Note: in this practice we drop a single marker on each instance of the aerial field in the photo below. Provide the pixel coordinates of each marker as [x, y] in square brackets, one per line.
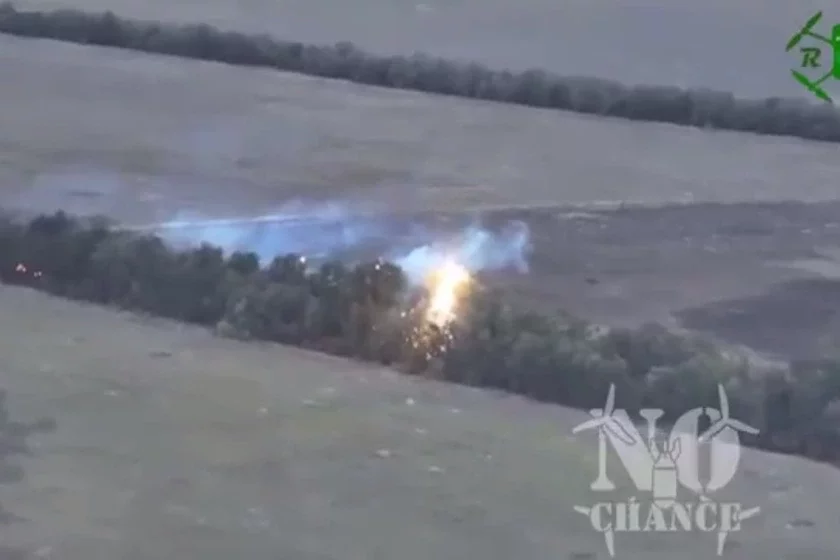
[143, 137]
[175, 443]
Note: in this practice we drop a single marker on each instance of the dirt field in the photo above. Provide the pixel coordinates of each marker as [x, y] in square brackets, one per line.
[175, 444]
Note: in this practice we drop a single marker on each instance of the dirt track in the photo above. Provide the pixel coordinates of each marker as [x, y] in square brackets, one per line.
[176, 444]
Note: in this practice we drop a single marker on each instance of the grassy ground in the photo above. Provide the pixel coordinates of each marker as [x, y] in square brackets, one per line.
[174, 443]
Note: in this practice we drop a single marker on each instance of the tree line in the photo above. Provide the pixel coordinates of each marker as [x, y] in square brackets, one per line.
[421, 72]
[368, 311]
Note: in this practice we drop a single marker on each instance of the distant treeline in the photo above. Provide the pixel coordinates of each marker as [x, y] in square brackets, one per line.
[420, 72]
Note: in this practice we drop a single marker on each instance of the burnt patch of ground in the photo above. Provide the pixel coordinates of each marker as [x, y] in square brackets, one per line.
[731, 270]
[799, 319]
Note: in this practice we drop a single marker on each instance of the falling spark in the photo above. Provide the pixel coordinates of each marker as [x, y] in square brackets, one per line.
[21, 268]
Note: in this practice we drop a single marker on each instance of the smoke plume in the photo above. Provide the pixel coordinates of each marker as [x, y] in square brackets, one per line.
[475, 248]
[317, 230]
[332, 230]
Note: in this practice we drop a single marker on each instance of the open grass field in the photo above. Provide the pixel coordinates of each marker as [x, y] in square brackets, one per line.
[174, 443]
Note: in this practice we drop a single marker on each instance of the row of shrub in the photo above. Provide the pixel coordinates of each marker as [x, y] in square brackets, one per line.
[368, 311]
[536, 88]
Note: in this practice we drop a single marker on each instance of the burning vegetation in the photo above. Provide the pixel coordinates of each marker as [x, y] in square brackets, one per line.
[447, 285]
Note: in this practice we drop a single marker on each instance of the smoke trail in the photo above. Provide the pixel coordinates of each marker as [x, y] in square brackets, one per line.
[317, 230]
[327, 230]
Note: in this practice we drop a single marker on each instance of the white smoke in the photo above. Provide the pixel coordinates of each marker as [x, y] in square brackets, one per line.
[475, 248]
[326, 230]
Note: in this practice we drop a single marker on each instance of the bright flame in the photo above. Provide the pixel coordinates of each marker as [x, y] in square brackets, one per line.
[445, 284]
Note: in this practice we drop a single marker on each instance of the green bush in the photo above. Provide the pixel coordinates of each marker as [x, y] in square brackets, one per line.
[537, 88]
[369, 312]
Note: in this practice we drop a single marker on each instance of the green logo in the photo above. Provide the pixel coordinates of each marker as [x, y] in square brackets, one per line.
[811, 56]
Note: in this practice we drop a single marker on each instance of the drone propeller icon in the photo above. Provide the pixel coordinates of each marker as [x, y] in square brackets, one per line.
[811, 55]
[604, 418]
[725, 421]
